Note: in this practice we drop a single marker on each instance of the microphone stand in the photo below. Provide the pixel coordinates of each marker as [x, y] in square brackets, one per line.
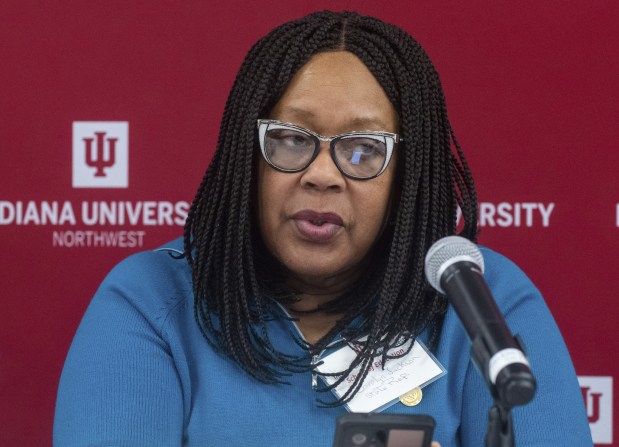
[500, 431]
[500, 427]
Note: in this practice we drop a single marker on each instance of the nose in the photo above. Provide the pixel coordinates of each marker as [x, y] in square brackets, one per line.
[322, 174]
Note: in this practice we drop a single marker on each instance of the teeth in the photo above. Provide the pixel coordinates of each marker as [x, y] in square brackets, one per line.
[317, 222]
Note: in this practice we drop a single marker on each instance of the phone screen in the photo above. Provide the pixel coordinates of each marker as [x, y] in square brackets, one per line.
[392, 438]
[405, 438]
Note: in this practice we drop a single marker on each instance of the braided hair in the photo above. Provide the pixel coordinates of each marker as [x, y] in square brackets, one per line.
[238, 285]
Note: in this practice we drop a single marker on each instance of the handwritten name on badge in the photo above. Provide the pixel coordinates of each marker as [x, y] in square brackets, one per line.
[383, 385]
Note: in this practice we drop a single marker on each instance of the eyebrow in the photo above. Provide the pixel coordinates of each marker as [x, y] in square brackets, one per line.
[366, 121]
[357, 121]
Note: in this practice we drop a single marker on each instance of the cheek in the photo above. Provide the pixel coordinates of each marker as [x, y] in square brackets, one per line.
[373, 205]
[378, 210]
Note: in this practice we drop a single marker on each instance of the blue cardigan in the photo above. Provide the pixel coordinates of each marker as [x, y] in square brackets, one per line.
[139, 373]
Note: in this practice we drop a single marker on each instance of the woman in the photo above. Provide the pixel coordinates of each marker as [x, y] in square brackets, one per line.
[334, 173]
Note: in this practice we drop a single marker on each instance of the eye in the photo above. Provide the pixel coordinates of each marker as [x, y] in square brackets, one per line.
[289, 138]
[368, 148]
[359, 150]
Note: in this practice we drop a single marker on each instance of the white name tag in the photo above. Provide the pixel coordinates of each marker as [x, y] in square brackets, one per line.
[383, 386]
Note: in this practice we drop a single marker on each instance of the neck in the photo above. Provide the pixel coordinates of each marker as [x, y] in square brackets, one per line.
[315, 291]
[312, 323]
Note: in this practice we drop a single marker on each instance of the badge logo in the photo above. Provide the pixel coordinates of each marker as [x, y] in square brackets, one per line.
[598, 395]
[412, 398]
[100, 154]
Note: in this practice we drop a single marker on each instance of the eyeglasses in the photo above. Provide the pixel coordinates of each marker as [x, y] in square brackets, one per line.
[358, 155]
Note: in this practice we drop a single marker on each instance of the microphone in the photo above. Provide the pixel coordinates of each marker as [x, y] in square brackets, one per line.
[454, 266]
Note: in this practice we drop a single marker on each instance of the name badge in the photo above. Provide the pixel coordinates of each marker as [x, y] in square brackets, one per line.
[384, 384]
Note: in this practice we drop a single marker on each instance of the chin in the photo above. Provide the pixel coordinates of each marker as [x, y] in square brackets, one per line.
[322, 273]
[313, 270]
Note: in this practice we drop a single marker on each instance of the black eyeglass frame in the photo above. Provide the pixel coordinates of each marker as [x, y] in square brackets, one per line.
[390, 140]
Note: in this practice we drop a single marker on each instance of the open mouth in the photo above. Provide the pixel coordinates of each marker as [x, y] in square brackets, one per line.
[318, 227]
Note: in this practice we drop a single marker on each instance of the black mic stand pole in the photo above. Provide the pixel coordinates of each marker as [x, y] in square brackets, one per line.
[500, 431]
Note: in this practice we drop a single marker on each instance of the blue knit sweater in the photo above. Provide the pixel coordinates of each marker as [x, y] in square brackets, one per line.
[139, 373]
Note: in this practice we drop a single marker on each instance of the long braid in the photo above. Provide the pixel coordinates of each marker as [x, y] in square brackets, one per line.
[391, 301]
[237, 284]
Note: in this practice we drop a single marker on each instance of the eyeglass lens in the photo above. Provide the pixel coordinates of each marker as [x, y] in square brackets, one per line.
[357, 156]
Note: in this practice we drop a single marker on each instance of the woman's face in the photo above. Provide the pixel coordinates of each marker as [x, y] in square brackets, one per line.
[317, 222]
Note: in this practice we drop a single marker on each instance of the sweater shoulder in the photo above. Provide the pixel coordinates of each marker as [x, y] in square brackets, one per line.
[509, 285]
[153, 283]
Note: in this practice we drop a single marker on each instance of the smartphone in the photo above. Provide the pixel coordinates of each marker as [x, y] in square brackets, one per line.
[383, 430]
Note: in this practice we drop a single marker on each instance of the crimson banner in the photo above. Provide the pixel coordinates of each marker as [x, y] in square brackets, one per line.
[109, 113]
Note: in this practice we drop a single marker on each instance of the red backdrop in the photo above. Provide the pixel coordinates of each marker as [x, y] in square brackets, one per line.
[531, 90]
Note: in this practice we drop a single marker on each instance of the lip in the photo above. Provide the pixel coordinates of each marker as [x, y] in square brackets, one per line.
[317, 227]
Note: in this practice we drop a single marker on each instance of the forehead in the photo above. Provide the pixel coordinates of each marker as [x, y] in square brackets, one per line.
[335, 92]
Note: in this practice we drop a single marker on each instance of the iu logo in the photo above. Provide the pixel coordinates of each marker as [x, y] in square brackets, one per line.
[598, 395]
[100, 154]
